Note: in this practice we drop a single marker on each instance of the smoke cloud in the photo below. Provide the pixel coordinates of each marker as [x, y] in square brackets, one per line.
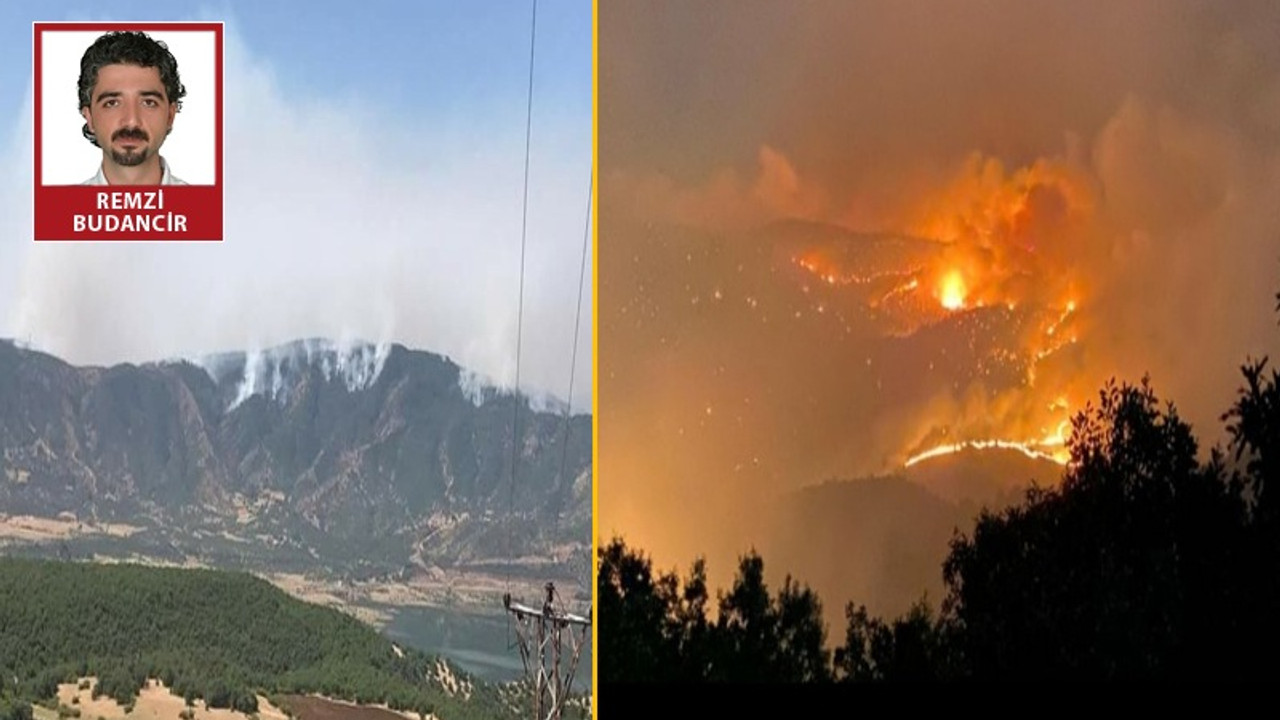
[341, 221]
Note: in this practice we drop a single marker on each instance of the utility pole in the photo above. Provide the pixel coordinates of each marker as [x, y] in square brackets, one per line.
[542, 633]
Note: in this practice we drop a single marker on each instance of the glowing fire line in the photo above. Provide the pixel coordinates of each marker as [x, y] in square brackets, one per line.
[1027, 449]
[833, 277]
[899, 290]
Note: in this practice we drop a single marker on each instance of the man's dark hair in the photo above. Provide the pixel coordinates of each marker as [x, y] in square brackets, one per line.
[128, 48]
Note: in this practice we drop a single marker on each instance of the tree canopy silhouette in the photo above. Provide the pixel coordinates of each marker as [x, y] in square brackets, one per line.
[1124, 570]
[654, 628]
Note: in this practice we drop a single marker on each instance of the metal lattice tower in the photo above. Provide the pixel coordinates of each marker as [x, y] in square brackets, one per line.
[542, 634]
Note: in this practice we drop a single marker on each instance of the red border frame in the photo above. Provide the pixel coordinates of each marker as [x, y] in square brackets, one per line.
[204, 198]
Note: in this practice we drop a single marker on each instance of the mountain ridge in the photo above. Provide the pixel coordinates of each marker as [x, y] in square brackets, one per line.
[351, 453]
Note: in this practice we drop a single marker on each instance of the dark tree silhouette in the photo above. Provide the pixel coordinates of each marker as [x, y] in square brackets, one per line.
[746, 626]
[1122, 571]
[801, 635]
[763, 640]
[654, 630]
[634, 614]
[1253, 424]
[689, 630]
[912, 648]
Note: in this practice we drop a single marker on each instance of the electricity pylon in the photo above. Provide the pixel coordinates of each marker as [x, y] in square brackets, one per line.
[541, 633]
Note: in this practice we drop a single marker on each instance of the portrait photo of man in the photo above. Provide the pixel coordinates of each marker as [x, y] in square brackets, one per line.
[139, 156]
[147, 98]
[130, 95]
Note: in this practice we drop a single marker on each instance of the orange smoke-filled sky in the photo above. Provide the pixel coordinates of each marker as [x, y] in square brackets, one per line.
[1106, 172]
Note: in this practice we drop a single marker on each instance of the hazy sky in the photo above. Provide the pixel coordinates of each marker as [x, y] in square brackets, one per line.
[374, 161]
[1111, 166]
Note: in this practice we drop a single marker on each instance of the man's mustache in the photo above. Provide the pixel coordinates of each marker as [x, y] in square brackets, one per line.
[130, 134]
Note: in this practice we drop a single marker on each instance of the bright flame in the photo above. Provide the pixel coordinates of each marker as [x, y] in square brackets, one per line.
[1029, 449]
[1005, 239]
[953, 291]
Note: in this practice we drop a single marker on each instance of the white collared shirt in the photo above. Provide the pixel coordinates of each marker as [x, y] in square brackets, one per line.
[166, 178]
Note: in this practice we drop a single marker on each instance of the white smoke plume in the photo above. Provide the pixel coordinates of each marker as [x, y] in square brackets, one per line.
[342, 221]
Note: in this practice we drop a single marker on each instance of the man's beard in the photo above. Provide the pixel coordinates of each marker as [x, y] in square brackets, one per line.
[130, 158]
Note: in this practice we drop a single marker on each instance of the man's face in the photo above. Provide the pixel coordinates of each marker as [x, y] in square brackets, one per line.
[129, 113]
